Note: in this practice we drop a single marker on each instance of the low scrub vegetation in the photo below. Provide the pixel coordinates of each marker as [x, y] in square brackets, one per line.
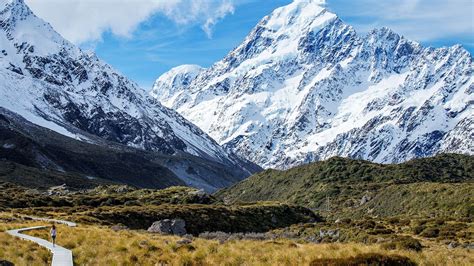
[140, 208]
[441, 186]
[373, 215]
[99, 245]
[13, 196]
[201, 218]
[403, 243]
[365, 259]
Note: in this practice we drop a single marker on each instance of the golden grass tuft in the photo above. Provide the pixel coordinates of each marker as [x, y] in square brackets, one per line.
[103, 246]
[97, 245]
[21, 252]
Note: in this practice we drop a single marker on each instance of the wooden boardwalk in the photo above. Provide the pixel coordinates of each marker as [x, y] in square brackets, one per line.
[61, 256]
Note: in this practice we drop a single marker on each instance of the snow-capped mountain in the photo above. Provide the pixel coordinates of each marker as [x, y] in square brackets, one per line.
[304, 86]
[52, 83]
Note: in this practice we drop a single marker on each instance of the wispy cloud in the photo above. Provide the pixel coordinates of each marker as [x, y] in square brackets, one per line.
[83, 21]
[422, 20]
[220, 13]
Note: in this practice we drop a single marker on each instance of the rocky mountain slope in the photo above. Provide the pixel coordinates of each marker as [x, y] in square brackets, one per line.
[437, 186]
[304, 86]
[53, 84]
[37, 157]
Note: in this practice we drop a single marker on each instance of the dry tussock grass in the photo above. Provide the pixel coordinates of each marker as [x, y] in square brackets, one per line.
[93, 245]
[18, 251]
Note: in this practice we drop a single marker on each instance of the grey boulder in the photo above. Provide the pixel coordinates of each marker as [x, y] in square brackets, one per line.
[169, 227]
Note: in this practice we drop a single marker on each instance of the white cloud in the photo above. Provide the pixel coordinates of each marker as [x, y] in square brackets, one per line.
[86, 20]
[221, 12]
[421, 20]
[207, 12]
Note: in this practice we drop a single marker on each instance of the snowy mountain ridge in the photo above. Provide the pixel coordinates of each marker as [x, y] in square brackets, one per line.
[304, 86]
[54, 84]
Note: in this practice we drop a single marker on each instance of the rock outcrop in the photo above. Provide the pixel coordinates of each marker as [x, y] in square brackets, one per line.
[169, 227]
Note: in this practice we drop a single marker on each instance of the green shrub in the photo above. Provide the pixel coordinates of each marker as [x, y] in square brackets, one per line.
[403, 243]
[347, 221]
[418, 229]
[393, 220]
[430, 232]
[365, 224]
[364, 259]
[202, 218]
[404, 222]
[384, 231]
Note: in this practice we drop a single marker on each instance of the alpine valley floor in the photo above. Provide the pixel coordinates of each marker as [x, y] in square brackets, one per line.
[223, 230]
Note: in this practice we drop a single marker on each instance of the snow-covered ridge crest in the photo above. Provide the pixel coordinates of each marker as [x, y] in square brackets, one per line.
[305, 86]
[297, 15]
[173, 80]
[20, 24]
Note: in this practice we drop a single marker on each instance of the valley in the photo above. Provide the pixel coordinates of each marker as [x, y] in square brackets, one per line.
[309, 143]
[402, 214]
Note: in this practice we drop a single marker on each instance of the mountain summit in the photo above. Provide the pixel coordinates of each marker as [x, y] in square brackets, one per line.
[304, 86]
[50, 82]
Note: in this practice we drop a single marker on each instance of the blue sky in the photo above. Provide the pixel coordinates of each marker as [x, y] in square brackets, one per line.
[160, 44]
[145, 38]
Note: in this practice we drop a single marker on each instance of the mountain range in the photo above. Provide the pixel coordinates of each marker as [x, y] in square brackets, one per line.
[47, 81]
[304, 86]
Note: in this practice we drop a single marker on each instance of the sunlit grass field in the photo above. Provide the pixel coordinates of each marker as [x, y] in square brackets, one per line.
[98, 245]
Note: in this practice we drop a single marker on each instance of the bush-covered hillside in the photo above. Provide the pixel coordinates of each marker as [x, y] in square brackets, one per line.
[439, 186]
[139, 208]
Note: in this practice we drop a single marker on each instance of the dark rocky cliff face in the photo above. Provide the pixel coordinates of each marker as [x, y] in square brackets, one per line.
[34, 156]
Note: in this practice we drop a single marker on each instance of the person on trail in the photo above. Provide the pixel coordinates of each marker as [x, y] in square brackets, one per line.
[53, 234]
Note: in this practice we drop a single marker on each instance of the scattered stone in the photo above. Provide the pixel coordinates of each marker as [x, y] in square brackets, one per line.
[468, 246]
[453, 245]
[312, 239]
[199, 192]
[122, 189]
[58, 190]
[365, 199]
[329, 233]
[169, 227]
